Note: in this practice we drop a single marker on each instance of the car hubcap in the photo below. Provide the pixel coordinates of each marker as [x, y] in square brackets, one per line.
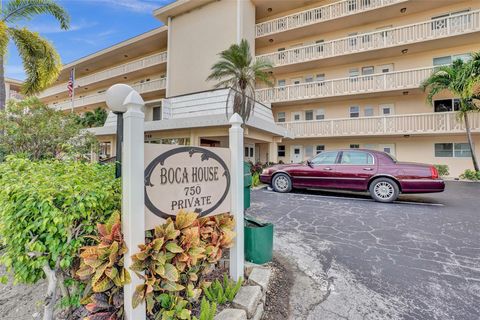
[281, 183]
[384, 190]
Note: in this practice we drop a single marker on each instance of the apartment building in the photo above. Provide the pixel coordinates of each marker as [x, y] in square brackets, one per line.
[347, 75]
[13, 88]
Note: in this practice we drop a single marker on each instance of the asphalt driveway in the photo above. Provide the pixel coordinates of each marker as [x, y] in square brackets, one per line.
[353, 258]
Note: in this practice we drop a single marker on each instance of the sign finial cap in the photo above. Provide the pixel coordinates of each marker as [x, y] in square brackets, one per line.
[236, 119]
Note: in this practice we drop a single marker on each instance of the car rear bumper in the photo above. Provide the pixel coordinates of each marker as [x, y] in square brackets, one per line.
[266, 179]
[422, 186]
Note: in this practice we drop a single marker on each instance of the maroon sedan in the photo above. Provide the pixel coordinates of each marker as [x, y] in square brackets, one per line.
[357, 170]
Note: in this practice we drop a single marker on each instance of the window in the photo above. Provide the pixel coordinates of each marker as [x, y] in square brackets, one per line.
[309, 78]
[354, 146]
[320, 114]
[319, 148]
[462, 150]
[446, 105]
[296, 116]
[297, 81]
[157, 113]
[320, 77]
[309, 151]
[438, 61]
[456, 150]
[386, 109]
[281, 117]
[105, 151]
[352, 40]
[353, 72]
[281, 151]
[465, 57]
[175, 141]
[248, 152]
[356, 158]
[385, 68]
[329, 157]
[354, 112]
[368, 111]
[367, 70]
[309, 115]
[282, 82]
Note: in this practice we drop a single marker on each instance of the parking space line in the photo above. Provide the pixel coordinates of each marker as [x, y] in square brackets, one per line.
[358, 199]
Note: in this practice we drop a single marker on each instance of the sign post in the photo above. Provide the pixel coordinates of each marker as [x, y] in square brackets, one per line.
[236, 159]
[123, 99]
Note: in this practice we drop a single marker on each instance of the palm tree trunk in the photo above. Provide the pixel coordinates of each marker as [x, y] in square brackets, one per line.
[2, 85]
[470, 142]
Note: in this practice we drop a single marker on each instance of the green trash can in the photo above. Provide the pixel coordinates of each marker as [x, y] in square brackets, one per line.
[258, 241]
[247, 183]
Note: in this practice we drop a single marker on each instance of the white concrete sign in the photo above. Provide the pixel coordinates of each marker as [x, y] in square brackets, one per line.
[185, 178]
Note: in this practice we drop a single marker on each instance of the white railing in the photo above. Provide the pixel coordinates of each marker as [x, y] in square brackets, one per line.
[154, 85]
[125, 68]
[207, 104]
[398, 80]
[423, 123]
[320, 14]
[385, 38]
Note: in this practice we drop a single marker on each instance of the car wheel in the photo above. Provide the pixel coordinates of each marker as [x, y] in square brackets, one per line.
[282, 183]
[384, 190]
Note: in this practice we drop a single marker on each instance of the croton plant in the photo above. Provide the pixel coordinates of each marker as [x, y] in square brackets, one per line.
[101, 267]
[173, 259]
[177, 253]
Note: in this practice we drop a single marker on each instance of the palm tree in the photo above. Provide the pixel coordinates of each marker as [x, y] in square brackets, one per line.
[237, 70]
[40, 60]
[459, 78]
[95, 118]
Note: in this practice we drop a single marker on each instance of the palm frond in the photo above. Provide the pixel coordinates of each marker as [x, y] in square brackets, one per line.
[25, 9]
[40, 60]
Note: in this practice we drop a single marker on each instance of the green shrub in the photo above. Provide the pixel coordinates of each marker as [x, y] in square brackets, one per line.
[223, 292]
[443, 170]
[207, 310]
[255, 179]
[46, 209]
[470, 175]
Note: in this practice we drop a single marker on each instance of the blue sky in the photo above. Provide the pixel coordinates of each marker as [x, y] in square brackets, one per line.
[95, 24]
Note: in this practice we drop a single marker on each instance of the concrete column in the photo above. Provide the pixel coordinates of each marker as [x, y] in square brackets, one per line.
[272, 152]
[237, 258]
[133, 218]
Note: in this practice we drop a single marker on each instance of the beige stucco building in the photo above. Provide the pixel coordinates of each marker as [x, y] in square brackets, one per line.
[347, 75]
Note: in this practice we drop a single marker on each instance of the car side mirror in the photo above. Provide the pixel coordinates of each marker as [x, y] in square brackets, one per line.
[309, 163]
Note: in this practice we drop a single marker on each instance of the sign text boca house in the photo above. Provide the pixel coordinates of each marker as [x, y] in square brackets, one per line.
[185, 178]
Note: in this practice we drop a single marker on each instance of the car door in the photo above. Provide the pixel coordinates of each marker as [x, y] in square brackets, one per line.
[321, 171]
[354, 169]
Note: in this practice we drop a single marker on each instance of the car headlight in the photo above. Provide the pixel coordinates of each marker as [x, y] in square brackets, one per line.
[266, 171]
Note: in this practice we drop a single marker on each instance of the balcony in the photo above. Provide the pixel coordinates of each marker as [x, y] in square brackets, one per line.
[118, 71]
[329, 12]
[458, 25]
[423, 123]
[99, 98]
[380, 82]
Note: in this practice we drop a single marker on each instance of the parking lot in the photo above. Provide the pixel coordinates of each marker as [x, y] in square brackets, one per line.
[353, 258]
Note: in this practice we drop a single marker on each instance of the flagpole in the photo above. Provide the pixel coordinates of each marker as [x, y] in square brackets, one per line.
[73, 88]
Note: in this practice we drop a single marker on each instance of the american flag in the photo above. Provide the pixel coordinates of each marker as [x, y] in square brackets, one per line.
[71, 82]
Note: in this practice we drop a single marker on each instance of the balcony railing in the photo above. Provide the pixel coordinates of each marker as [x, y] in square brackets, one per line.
[423, 123]
[385, 38]
[389, 81]
[125, 68]
[320, 14]
[154, 85]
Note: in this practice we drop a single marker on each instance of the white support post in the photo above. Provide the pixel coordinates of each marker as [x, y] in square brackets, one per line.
[133, 218]
[237, 258]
